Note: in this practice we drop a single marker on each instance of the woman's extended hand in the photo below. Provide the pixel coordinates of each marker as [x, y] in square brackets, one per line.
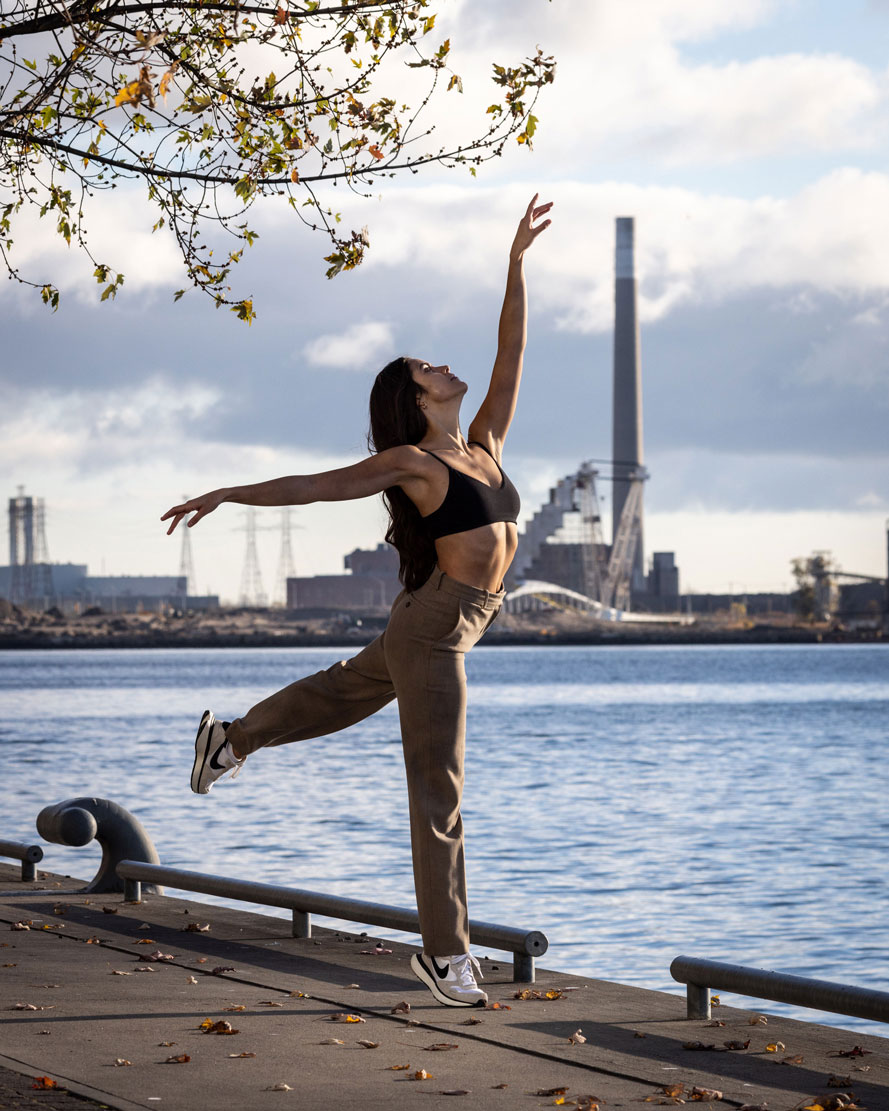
[527, 232]
[201, 506]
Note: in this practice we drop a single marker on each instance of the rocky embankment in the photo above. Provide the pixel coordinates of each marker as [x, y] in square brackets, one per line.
[242, 628]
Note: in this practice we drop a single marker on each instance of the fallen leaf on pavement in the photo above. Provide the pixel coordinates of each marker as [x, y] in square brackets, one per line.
[109, 910]
[221, 1027]
[157, 955]
[160, 1044]
[454, 1092]
[471, 1021]
[279, 1087]
[191, 980]
[639, 1034]
[368, 1044]
[716, 1022]
[498, 1007]
[196, 928]
[144, 968]
[577, 1038]
[219, 969]
[269, 1003]
[774, 1047]
[402, 1008]
[242, 1054]
[531, 993]
[118, 1061]
[298, 995]
[144, 940]
[738, 1045]
[332, 1041]
[30, 1007]
[396, 1068]
[796, 1059]
[182, 1059]
[549, 1091]
[757, 1020]
[20, 926]
[704, 1095]
[341, 1016]
[117, 972]
[839, 1081]
[855, 1051]
[44, 1082]
[699, 1045]
[421, 1074]
[441, 1046]
[237, 1007]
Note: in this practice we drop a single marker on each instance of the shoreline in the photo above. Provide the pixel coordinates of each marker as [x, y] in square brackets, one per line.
[48, 640]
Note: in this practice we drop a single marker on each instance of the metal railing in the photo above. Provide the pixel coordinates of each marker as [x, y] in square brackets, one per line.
[524, 945]
[701, 975]
[29, 855]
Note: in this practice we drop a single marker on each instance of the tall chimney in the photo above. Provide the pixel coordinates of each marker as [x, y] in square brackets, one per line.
[627, 426]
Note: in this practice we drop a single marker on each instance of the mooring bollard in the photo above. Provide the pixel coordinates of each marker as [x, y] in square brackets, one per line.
[121, 835]
[29, 855]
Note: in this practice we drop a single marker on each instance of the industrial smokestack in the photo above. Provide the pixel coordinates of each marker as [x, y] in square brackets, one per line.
[627, 426]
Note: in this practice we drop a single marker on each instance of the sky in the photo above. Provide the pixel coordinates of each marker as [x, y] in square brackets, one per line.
[749, 140]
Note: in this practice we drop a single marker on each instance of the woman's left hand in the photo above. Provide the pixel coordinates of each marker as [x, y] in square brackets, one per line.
[527, 232]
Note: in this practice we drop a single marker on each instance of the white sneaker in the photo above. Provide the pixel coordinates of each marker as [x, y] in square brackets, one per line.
[213, 757]
[450, 979]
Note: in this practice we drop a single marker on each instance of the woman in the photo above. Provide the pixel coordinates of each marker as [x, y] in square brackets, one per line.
[453, 521]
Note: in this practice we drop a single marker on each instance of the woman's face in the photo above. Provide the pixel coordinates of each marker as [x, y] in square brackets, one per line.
[437, 382]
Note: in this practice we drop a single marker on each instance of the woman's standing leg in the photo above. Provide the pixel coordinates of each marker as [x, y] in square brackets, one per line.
[429, 633]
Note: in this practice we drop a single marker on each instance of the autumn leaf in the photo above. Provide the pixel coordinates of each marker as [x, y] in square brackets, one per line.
[280, 16]
[772, 1047]
[242, 1054]
[42, 1083]
[279, 1087]
[397, 1068]
[551, 1091]
[839, 1081]
[796, 1059]
[855, 1051]
[182, 1059]
[741, 1045]
[269, 1003]
[196, 928]
[441, 1046]
[472, 1021]
[220, 968]
[375, 151]
[236, 1007]
[498, 1007]
[109, 910]
[121, 1061]
[421, 1074]
[402, 1008]
[119, 972]
[704, 1095]
[341, 1016]
[757, 1020]
[192, 980]
[220, 1027]
[144, 940]
[577, 1038]
[331, 1041]
[368, 1044]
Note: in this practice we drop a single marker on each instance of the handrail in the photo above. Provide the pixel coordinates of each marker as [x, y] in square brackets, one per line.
[701, 975]
[524, 945]
[29, 855]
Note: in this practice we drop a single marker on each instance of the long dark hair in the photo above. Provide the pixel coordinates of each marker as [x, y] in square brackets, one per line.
[395, 419]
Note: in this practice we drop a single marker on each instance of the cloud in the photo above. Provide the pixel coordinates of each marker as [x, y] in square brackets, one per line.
[359, 347]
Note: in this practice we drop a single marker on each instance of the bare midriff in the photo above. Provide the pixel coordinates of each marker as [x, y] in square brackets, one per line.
[478, 557]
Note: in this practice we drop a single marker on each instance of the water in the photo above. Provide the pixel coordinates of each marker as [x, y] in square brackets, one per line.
[634, 803]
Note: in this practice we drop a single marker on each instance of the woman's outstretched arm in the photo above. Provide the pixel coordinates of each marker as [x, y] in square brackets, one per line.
[392, 467]
[494, 417]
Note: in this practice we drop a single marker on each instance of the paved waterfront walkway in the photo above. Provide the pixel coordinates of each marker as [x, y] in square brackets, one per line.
[80, 974]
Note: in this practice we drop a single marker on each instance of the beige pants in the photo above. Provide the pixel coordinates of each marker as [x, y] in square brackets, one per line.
[418, 659]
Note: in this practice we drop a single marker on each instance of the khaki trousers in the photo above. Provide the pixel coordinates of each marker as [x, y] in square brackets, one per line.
[418, 659]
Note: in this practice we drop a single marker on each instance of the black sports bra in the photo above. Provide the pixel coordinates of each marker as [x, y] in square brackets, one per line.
[470, 503]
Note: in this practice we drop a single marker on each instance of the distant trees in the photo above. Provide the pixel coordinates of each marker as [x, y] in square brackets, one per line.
[215, 103]
[814, 595]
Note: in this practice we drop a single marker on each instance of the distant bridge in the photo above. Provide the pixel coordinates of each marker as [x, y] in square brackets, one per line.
[534, 594]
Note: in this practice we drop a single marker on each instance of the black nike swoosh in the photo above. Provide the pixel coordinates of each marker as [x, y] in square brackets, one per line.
[441, 973]
[214, 763]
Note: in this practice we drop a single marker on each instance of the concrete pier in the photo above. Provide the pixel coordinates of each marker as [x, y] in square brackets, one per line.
[94, 981]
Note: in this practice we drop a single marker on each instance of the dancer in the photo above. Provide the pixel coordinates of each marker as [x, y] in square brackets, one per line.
[452, 519]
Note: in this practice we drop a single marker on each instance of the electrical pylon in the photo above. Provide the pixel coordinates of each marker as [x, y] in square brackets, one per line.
[252, 592]
[186, 563]
[286, 568]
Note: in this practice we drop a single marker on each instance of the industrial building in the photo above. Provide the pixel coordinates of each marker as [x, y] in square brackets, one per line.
[562, 557]
[30, 580]
[370, 586]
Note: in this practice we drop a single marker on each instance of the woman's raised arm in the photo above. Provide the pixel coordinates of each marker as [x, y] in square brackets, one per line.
[361, 480]
[491, 423]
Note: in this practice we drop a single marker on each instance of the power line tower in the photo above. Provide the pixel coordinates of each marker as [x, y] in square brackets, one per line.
[186, 562]
[252, 591]
[286, 567]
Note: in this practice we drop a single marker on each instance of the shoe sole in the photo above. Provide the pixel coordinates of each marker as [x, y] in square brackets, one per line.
[201, 751]
[428, 978]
